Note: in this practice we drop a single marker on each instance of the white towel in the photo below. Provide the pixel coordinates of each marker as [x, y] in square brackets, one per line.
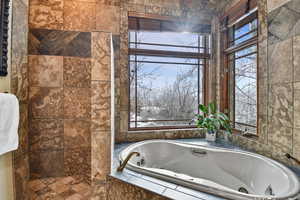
[9, 122]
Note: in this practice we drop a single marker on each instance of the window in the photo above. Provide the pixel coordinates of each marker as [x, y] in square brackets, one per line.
[166, 77]
[242, 66]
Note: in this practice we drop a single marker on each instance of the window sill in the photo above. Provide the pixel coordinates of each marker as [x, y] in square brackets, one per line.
[140, 135]
[251, 136]
[162, 130]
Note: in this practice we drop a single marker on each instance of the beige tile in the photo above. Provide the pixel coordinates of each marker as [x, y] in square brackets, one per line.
[107, 18]
[77, 72]
[296, 56]
[297, 105]
[79, 16]
[46, 14]
[45, 102]
[45, 71]
[101, 56]
[77, 103]
[281, 62]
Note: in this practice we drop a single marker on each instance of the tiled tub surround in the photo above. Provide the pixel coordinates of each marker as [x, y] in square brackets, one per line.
[167, 189]
[278, 97]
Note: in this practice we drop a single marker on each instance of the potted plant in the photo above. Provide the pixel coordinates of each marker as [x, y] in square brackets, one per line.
[212, 120]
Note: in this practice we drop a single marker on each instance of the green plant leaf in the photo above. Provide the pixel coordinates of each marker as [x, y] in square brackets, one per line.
[212, 108]
[211, 119]
[222, 116]
[203, 108]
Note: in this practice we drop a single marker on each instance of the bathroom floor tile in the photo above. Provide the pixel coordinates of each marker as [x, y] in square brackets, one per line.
[46, 164]
[78, 162]
[71, 187]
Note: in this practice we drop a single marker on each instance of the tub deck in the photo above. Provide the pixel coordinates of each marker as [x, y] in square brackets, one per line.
[163, 188]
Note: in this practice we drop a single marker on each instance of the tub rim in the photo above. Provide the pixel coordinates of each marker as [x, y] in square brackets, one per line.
[230, 192]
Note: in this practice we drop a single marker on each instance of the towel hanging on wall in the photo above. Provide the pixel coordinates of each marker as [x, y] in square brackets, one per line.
[9, 123]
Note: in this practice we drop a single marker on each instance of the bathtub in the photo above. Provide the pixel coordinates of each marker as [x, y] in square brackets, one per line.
[230, 174]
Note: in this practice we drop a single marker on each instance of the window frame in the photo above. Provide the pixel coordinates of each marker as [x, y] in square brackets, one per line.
[143, 52]
[227, 106]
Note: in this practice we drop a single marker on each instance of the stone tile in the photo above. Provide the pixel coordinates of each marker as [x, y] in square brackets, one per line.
[78, 162]
[281, 62]
[121, 190]
[159, 182]
[45, 71]
[124, 121]
[273, 4]
[281, 107]
[77, 72]
[262, 9]
[281, 138]
[200, 195]
[69, 187]
[46, 164]
[46, 134]
[100, 119]
[101, 56]
[99, 192]
[124, 95]
[296, 53]
[77, 133]
[77, 103]
[297, 105]
[19, 80]
[21, 176]
[46, 102]
[46, 14]
[282, 22]
[79, 16]
[100, 156]
[22, 132]
[101, 95]
[116, 53]
[59, 43]
[107, 18]
[296, 143]
[110, 2]
[19, 60]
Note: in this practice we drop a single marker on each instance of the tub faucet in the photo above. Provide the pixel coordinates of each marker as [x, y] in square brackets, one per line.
[124, 163]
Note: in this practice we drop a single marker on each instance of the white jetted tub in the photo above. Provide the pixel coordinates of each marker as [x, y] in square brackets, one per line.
[230, 174]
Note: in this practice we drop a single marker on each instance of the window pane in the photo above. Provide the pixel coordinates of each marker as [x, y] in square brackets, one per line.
[243, 33]
[166, 41]
[245, 29]
[244, 52]
[145, 59]
[166, 92]
[246, 90]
